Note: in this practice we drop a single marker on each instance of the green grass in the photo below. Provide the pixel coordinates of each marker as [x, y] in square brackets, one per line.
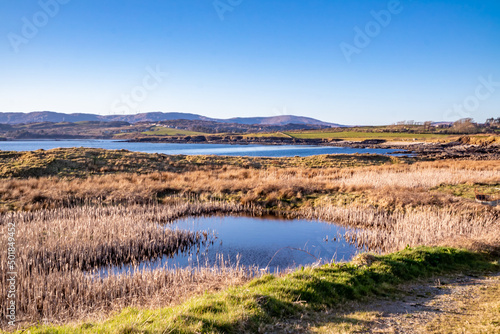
[270, 299]
[468, 190]
[268, 134]
[161, 131]
[351, 135]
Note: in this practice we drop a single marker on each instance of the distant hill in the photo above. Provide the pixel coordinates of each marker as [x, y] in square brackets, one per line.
[49, 116]
[280, 120]
[153, 117]
[442, 123]
[44, 116]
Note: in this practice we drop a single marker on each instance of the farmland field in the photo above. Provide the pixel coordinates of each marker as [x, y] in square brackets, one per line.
[355, 135]
[163, 131]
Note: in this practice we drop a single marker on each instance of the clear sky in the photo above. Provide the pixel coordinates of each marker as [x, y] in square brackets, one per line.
[343, 61]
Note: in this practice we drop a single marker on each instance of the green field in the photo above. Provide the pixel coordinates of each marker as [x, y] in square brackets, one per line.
[355, 135]
[269, 134]
[161, 131]
[329, 134]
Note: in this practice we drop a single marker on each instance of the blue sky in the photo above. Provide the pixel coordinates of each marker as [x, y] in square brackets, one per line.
[425, 60]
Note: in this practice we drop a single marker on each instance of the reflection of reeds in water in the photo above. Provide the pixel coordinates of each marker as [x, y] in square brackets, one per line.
[88, 237]
[386, 232]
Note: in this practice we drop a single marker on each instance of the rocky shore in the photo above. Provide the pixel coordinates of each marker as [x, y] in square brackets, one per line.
[424, 150]
[234, 139]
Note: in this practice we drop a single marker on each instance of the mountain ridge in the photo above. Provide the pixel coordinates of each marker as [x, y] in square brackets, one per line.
[56, 117]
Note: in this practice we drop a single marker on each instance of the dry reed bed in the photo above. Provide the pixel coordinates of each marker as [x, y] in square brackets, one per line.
[90, 236]
[63, 295]
[55, 247]
[248, 184]
[94, 236]
[379, 230]
[60, 297]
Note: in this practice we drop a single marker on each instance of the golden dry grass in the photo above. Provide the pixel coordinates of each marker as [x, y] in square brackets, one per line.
[267, 186]
[476, 311]
[61, 232]
[58, 250]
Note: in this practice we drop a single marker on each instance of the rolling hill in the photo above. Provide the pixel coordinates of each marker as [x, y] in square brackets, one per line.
[55, 117]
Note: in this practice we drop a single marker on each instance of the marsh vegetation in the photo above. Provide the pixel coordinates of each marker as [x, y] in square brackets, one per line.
[69, 226]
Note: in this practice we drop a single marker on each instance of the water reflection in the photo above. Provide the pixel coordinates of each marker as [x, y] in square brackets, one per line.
[274, 244]
[192, 149]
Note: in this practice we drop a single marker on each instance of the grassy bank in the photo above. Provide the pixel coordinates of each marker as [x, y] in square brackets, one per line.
[360, 135]
[271, 299]
[83, 162]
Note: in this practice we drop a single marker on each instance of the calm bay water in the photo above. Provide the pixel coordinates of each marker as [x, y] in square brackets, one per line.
[190, 149]
[258, 242]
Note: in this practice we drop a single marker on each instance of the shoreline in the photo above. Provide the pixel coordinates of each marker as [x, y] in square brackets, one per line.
[422, 149]
[426, 150]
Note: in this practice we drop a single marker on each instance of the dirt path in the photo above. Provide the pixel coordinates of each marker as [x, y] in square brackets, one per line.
[461, 304]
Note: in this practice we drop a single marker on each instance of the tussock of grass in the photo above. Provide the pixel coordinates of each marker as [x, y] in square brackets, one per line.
[468, 190]
[269, 299]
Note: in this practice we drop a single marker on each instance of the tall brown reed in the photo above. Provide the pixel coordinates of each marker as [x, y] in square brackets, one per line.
[56, 247]
[377, 229]
[242, 183]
